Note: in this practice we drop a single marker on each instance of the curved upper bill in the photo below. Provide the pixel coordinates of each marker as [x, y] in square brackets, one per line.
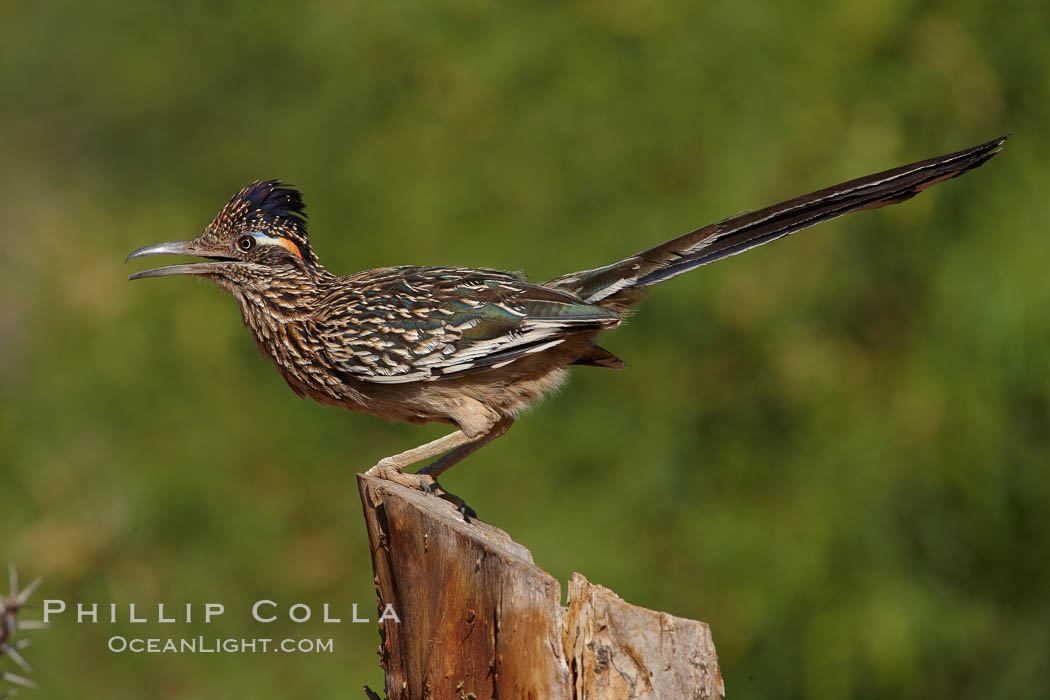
[179, 248]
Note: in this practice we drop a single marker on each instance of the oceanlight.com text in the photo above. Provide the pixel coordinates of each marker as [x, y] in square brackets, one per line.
[218, 645]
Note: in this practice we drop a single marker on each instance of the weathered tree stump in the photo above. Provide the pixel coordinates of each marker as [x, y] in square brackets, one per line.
[478, 619]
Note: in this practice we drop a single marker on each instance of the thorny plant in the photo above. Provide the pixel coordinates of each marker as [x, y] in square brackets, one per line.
[9, 625]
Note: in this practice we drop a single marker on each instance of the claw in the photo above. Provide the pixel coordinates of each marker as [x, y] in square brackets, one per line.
[464, 510]
[430, 485]
[423, 482]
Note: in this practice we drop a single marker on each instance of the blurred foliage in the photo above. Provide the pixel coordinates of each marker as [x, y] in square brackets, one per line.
[833, 449]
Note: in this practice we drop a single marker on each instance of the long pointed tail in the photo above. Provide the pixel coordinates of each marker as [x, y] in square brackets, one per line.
[612, 285]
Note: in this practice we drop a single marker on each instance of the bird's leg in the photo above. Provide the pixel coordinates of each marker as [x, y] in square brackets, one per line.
[438, 467]
[392, 468]
[456, 445]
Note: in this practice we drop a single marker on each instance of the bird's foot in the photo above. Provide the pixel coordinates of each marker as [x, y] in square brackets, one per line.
[391, 472]
[431, 486]
[423, 482]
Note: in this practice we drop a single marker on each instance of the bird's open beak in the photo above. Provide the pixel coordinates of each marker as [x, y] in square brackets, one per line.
[194, 248]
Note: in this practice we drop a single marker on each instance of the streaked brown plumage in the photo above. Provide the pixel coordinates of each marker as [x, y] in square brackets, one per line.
[469, 347]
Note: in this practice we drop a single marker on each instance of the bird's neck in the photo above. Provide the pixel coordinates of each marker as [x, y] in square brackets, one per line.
[277, 311]
[285, 297]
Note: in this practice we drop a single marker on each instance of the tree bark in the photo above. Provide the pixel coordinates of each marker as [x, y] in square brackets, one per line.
[478, 619]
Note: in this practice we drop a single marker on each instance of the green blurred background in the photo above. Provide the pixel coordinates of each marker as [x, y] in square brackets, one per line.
[833, 449]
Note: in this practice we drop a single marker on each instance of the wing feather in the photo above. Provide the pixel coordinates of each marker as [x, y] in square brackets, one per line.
[412, 324]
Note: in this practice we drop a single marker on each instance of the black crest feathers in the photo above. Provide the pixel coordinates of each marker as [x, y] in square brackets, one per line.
[271, 207]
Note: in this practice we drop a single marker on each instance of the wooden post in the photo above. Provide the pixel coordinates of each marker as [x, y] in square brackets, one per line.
[478, 619]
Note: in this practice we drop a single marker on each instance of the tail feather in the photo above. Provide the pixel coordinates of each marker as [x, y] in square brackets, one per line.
[597, 356]
[613, 285]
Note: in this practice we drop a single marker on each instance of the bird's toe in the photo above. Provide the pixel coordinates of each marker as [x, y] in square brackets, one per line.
[435, 489]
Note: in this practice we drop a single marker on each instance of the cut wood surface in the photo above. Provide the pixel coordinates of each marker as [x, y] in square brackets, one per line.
[478, 619]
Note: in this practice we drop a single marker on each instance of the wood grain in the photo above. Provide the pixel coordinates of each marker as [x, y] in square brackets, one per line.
[478, 619]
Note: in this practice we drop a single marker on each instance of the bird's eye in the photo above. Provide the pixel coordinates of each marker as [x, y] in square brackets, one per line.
[246, 243]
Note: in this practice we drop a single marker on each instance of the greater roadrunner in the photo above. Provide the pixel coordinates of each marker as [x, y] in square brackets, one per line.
[468, 347]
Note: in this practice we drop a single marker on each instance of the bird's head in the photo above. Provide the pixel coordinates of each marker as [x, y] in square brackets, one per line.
[261, 232]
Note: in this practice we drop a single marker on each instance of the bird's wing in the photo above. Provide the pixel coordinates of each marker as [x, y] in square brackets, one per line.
[412, 324]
